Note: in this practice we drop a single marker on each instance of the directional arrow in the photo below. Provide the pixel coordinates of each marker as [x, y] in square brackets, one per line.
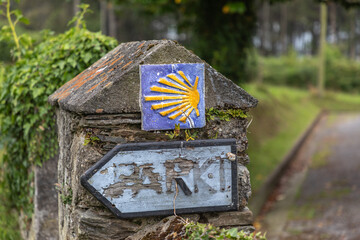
[136, 180]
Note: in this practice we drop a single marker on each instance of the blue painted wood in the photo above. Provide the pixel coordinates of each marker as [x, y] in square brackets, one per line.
[172, 94]
[143, 179]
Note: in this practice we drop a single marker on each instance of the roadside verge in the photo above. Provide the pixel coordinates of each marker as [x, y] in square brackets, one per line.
[257, 202]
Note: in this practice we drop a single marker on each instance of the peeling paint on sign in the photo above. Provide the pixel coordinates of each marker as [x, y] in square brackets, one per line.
[135, 180]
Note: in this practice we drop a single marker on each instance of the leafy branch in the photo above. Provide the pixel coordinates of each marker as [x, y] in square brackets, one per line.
[26, 119]
[11, 28]
[175, 133]
[79, 16]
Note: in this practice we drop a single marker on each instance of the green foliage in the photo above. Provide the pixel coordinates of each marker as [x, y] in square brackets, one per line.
[65, 194]
[27, 121]
[224, 115]
[8, 32]
[210, 232]
[190, 136]
[91, 139]
[9, 228]
[178, 134]
[234, 7]
[79, 16]
[341, 73]
[289, 70]
[175, 133]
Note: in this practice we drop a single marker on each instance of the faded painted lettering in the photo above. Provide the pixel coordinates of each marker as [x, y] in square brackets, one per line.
[142, 177]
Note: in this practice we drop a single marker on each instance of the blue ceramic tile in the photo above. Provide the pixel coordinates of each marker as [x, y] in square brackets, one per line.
[172, 94]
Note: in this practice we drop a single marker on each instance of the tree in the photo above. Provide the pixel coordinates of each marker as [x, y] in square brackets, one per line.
[283, 28]
[332, 15]
[321, 74]
[352, 40]
[220, 32]
[108, 18]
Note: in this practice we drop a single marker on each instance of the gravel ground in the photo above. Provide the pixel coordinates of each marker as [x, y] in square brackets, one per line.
[319, 195]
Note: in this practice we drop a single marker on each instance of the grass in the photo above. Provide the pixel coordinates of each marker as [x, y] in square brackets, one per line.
[279, 119]
[304, 212]
[320, 159]
[9, 228]
[282, 115]
[333, 193]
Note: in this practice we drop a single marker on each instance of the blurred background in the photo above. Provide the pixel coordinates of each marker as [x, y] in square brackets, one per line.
[298, 57]
[234, 36]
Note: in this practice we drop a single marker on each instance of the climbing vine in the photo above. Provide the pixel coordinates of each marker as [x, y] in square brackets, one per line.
[27, 121]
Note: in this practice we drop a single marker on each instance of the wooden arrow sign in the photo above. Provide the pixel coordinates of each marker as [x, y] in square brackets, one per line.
[144, 179]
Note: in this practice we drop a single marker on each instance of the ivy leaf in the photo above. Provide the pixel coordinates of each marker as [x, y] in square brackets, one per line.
[61, 64]
[17, 13]
[26, 40]
[232, 232]
[87, 57]
[27, 127]
[24, 20]
[86, 141]
[37, 92]
[72, 62]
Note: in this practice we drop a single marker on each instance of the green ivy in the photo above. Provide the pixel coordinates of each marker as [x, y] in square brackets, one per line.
[224, 115]
[210, 232]
[90, 138]
[27, 121]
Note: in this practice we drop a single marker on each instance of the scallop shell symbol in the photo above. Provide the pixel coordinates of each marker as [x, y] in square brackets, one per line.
[182, 97]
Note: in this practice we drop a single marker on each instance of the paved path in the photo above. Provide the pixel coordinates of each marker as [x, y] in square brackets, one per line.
[319, 198]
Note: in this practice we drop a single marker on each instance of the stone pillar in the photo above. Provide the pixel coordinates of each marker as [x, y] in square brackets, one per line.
[44, 224]
[100, 108]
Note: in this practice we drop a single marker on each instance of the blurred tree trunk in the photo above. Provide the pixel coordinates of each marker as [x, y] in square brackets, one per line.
[352, 42]
[265, 35]
[108, 18]
[321, 73]
[314, 41]
[111, 20]
[283, 28]
[332, 13]
[103, 17]
[76, 3]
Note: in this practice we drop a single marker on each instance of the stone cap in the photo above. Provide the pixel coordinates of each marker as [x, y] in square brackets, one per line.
[112, 84]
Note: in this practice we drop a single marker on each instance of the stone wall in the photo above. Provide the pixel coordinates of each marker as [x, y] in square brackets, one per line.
[81, 216]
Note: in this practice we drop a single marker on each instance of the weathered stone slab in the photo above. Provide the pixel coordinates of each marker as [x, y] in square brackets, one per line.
[46, 201]
[169, 228]
[144, 179]
[111, 85]
[237, 218]
[172, 94]
[98, 225]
